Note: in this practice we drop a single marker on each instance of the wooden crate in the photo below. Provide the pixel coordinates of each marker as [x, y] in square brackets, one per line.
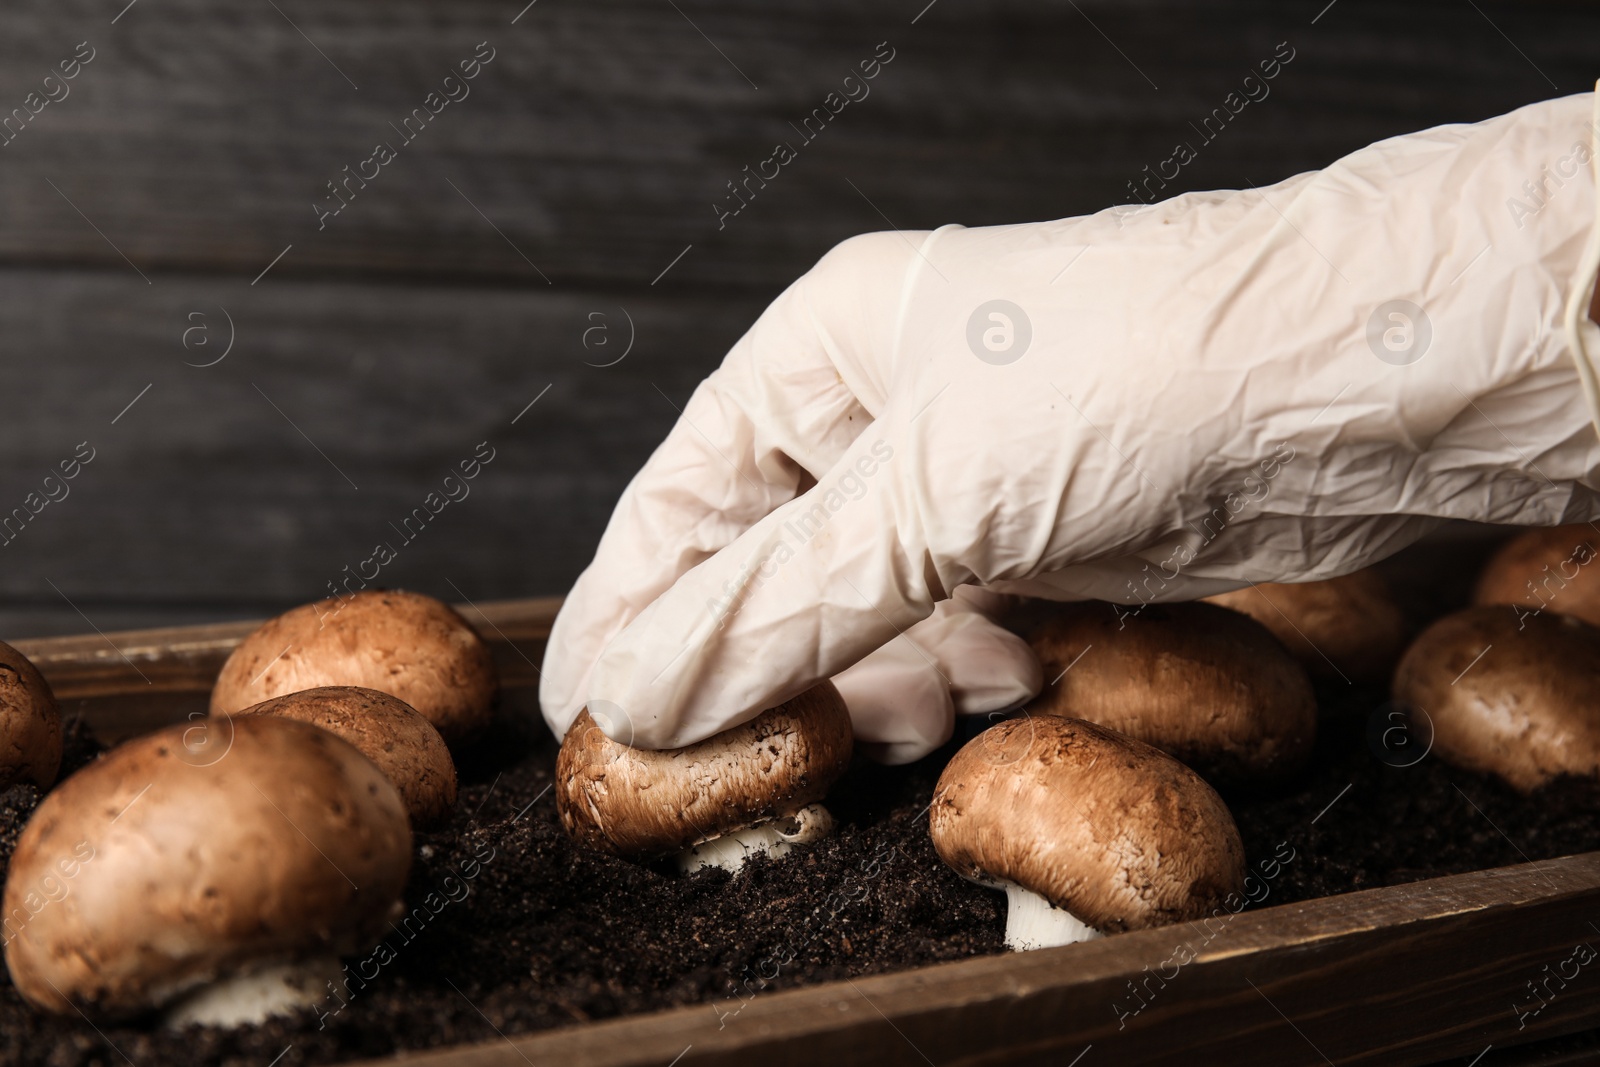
[1404, 975]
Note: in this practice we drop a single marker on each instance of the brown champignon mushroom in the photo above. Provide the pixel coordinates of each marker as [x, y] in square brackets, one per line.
[407, 645]
[30, 723]
[1509, 694]
[1210, 686]
[1346, 629]
[1547, 568]
[1088, 831]
[387, 731]
[224, 890]
[750, 789]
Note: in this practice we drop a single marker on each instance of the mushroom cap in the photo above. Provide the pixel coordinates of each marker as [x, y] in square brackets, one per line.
[1210, 686]
[387, 731]
[1527, 710]
[407, 645]
[1348, 628]
[1547, 567]
[148, 873]
[30, 723]
[643, 803]
[1111, 829]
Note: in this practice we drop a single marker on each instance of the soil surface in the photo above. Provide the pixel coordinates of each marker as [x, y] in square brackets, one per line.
[533, 932]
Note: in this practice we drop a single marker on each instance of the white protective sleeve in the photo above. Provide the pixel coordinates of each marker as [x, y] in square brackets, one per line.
[1154, 402]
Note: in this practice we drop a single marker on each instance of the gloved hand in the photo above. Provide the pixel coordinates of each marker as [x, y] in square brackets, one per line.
[1157, 402]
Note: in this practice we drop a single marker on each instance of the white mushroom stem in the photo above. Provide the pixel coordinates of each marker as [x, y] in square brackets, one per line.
[1034, 922]
[255, 996]
[775, 837]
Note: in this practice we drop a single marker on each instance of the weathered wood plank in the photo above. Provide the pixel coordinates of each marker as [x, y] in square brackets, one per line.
[1557, 1052]
[187, 659]
[254, 483]
[601, 134]
[596, 140]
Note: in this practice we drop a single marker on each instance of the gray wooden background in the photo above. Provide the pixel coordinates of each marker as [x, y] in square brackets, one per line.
[571, 189]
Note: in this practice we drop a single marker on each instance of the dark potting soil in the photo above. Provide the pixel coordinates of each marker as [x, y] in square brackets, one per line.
[515, 929]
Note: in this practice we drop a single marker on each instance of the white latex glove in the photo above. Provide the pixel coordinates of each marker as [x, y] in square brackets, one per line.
[903, 698]
[1173, 401]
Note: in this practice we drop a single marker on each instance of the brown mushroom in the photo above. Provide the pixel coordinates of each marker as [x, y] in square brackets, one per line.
[1508, 693]
[1546, 568]
[407, 645]
[750, 789]
[1347, 629]
[223, 888]
[1087, 831]
[387, 731]
[1210, 686]
[30, 723]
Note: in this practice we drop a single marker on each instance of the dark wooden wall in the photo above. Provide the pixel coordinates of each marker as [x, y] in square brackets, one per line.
[456, 287]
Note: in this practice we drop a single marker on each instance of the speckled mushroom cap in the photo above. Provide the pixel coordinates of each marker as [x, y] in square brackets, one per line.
[1553, 567]
[642, 803]
[1527, 709]
[1344, 629]
[1111, 829]
[387, 731]
[407, 645]
[30, 723]
[1210, 686]
[153, 871]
